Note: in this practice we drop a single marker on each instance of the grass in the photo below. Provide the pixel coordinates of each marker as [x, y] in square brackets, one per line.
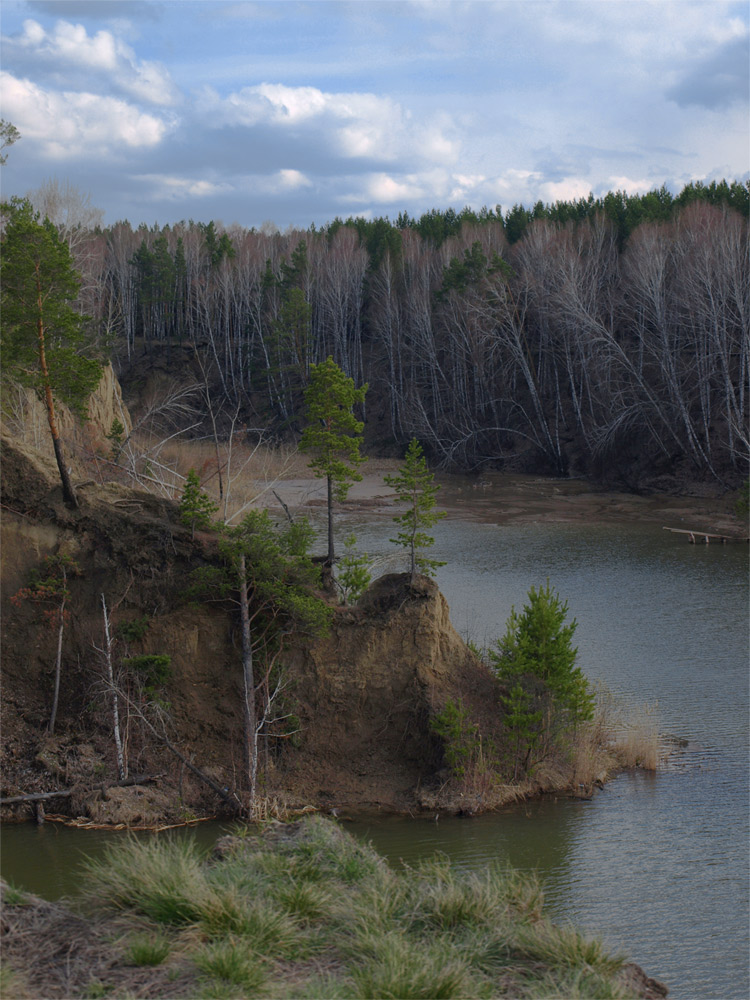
[233, 962]
[305, 911]
[163, 880]
[148, 950]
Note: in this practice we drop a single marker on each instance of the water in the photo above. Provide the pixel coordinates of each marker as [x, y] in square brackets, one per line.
[656, 864]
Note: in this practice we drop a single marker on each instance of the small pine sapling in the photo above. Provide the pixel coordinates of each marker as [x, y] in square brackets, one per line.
[353, 577]
[415, 486]
[196, 506]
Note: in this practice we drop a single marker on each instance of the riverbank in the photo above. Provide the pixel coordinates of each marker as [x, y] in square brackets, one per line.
[508, 498]
[361, 699]
[299, 910]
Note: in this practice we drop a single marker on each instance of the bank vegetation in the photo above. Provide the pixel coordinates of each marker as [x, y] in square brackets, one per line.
[301, 911]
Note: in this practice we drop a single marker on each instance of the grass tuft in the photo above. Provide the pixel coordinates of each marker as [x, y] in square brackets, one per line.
[565, 947]
[148, 950]
[13, 896]
[394, 967]
[163, 881]
[266, 928]
[306, 901]
[233, 962]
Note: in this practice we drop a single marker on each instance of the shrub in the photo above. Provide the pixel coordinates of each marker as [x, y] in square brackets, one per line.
[460, 736]
[154, 669]
[134, 630]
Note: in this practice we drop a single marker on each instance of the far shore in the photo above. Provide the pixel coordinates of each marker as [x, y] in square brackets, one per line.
[503, 498]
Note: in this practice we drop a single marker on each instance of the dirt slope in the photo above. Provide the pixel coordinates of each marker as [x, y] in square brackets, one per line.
[363, 695]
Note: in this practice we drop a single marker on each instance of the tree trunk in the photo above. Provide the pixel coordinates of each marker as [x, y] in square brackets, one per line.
[122, 768]
[329, 560]
[58, 662]
[250, 742]
[68, 492]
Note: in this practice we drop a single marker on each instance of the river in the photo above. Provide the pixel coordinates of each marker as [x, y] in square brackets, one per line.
[656, 864]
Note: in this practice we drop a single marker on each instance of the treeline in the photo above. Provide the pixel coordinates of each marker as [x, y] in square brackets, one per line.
[605, 336]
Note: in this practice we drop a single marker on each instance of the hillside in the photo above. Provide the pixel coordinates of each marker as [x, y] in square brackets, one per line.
[363, 696]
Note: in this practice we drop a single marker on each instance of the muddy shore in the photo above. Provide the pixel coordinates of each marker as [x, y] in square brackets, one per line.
[520, 499]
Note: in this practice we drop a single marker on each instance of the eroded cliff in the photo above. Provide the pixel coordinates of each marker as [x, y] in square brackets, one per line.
[362, 696]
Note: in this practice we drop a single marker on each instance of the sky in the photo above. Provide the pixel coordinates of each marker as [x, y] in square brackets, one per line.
[294, 113]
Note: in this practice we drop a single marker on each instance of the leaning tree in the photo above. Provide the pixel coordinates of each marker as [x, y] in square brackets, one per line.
[42, 333]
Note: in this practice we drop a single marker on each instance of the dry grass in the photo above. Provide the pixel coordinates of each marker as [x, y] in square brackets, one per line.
[638, 743]
[622, 734]
[250, 470]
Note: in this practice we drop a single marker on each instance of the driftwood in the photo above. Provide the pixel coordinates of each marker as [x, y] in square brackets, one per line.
[140, 779]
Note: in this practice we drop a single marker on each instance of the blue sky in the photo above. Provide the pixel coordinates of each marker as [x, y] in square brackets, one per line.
[295, 113]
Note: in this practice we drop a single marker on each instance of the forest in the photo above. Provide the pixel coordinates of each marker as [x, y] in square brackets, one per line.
[606, 337]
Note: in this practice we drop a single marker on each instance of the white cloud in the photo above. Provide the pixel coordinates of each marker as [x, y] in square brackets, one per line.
[568, 189]
[68, 48]
[74, 125]
[630, 185]
[352, 125]
[289, 180]
[386, 190]
[172, 188]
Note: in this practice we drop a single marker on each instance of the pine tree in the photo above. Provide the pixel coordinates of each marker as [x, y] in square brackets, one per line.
[333, 434]
[415, 486]
[353, 577]
[42, 334]
[196, 506]
[548, 694]
[269, 576]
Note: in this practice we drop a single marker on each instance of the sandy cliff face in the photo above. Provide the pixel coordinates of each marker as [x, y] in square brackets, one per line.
[25, 417]
[367, 693]
[364, 695]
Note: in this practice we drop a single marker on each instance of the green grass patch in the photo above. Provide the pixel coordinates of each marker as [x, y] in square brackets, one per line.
[233, 963]
[163, 880]
[305, 911]
[148, 949]
[13, 896]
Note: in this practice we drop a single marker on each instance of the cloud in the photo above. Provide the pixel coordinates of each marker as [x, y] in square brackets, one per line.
[77, 125]
[67, 52]
[717, 81]
[352, 125]
[173, 188]
[291, 179]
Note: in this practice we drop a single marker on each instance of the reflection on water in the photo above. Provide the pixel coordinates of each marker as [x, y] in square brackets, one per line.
[654, 864]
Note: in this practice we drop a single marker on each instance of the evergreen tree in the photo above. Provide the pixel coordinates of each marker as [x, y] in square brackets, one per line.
[353, 577]
[547, 693]
[415, 486]
[8, 135]
[269, 575]
[42, 334]
[196, 506]
[333, 434]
